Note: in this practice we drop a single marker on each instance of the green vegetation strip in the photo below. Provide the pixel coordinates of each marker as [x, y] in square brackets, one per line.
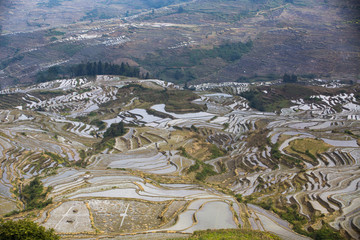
[233, 234]
[205, 170]
[34, 197]
[284, 159]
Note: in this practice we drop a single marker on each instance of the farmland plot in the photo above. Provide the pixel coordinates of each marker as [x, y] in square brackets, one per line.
[217, 167]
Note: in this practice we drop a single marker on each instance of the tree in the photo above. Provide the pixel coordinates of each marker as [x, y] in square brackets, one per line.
[293, 78]
[100, 70]
[25, 230]
[289, 79]
[180, 9]
[94, 69]
[115, 130]
[122, 67]
[89, 67]
[178, 74]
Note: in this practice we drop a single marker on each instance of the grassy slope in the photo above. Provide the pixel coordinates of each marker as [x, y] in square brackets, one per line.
[175, 101]
[307, 148]
[233, 234]
[186, 64]
[275, 97]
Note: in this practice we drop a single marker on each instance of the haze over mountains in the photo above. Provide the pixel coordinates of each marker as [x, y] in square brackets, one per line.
[172, 40]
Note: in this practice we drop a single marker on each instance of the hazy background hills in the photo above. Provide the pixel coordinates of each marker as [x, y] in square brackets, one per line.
[183, 41]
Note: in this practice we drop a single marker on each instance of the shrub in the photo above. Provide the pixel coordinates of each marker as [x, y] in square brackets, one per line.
[100, 124]
[33, 195]
[25, 230]
[115, 130]
[239, 198]
[194, 167]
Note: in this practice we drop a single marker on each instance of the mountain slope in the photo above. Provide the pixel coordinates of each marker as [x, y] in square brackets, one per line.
[176, 42]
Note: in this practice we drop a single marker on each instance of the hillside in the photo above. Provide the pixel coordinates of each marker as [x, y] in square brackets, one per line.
[115, 156]
[184, 41]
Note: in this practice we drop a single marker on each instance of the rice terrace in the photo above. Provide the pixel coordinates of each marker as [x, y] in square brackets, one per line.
[181, 119]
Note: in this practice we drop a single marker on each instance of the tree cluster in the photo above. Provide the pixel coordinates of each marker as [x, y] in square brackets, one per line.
[33, 195]
[289, 78]
[88, 69]
[99, 68]
[255, 99]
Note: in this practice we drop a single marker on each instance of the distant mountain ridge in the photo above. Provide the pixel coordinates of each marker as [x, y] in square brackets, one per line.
[176, 40]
